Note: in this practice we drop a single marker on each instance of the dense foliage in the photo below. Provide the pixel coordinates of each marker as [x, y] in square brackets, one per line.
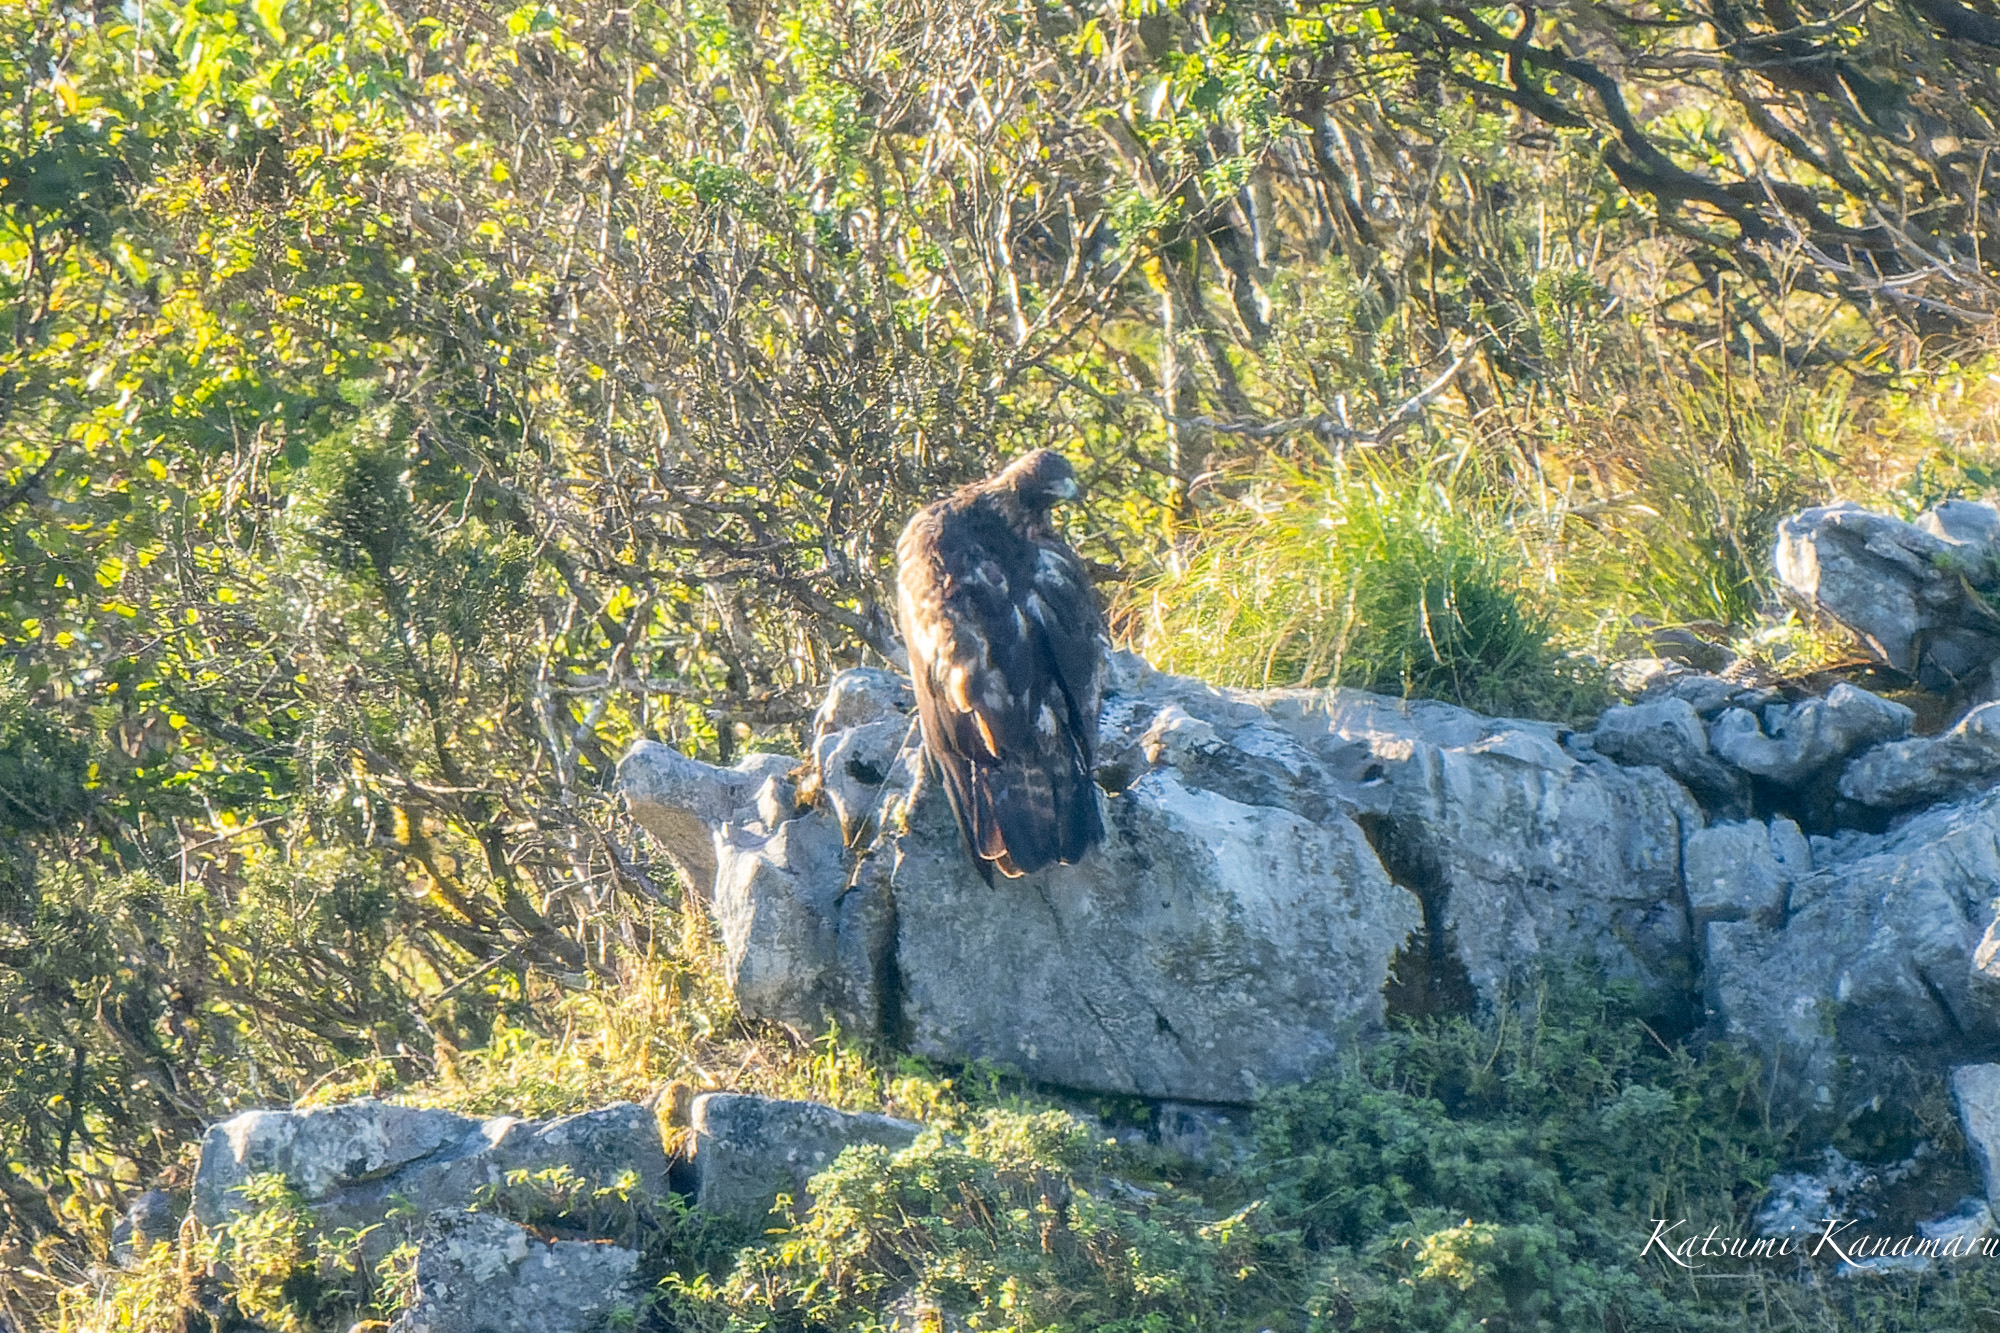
[406, 405]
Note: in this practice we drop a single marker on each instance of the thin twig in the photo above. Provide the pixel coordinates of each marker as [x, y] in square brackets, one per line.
[1333, 427]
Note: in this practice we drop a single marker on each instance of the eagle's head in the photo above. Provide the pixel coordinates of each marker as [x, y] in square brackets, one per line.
[1040, 480]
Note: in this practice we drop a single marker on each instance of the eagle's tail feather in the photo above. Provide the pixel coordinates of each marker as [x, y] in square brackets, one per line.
[1080, 824]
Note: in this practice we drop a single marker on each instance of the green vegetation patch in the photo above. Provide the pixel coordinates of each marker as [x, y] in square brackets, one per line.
[1385, 576]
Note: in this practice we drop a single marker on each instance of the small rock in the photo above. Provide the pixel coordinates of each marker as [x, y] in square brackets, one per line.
[358, 1161]
[1199, 1133]
[1743, 871]
[1926, 768]
[151, 1220]
[477, 1273]
[748, 1150]
[1686, 645]
[1651, 679]
[1808, 737]
[1976, 1089]
[1902, 588]
[859, 731]
[1972, 1220]
[1667, 734]
[1974, 524]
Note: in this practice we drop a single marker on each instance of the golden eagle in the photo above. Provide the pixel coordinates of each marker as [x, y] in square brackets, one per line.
[1007, 657]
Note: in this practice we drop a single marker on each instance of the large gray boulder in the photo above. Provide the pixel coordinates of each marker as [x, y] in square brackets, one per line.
[1883, 952]
[477, 1273]
[1528, 854]
[356, 1161]
[1271, 860]
[1928, 768]
[748, 1150]
[1909, 591]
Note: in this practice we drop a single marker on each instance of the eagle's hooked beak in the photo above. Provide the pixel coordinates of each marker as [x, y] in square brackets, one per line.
[1065, 488]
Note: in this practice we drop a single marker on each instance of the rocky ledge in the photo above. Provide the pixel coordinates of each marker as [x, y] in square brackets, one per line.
[1283, 869]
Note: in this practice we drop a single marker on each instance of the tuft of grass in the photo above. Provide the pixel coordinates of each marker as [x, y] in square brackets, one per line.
[1381, 575]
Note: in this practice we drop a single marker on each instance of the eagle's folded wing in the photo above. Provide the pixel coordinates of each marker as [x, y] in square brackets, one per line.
[1005, 660]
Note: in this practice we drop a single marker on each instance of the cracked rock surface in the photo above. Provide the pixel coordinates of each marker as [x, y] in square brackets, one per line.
[1270, 859]
[477, 1273]
[749, 1150]
[1283, 867]
[355, 1161]
[1910, 591]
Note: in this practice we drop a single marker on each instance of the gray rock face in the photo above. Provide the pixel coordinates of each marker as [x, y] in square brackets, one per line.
[1526, 854]
[1884, 952]
[1268, 858]
[1901, 587]
[687, 804]
[858, 733]
[477, 1273]
[1667, 733]
[354, 1161]
[1973, 524]
[1744, 871]
[1976, 1090]
[1927, 768]
[749, 1150]
[1798, 742]
[800, 943]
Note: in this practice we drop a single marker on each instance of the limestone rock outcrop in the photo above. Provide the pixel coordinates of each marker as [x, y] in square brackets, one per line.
[749, 1150]
[356, 1161]
[1792, 744]
[1912, 592]
[477, 1273]
[1282, 867]
[1271, 860]
[1883, 949]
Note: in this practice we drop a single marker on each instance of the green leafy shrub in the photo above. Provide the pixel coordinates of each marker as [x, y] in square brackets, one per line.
[1503, 1173]
[1017, 1225]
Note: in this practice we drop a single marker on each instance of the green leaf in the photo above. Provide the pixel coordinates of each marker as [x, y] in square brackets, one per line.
[270, 13]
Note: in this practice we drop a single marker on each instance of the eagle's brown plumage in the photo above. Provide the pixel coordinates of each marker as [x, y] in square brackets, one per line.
[1006, 653]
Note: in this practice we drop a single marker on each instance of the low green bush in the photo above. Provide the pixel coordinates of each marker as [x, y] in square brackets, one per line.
[1499, 1174]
